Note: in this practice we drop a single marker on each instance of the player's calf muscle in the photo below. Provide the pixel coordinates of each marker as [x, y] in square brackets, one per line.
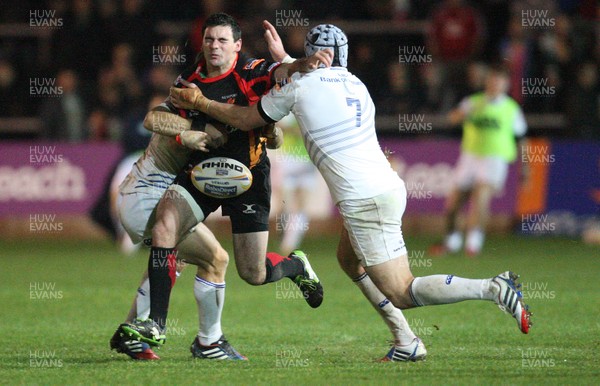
[394, 278]
[213, 263]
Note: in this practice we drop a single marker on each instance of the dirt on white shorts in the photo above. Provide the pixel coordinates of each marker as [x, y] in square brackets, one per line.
[137, 213]
[374, 226]
[472, 169]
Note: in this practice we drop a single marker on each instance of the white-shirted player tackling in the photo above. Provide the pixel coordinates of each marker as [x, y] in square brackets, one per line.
[140, 193]
[336, 115]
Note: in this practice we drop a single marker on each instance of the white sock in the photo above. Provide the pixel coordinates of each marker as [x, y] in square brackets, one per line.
[453, 241]
[295, 229]
[210, 298]
[392, 316]
[444, 289]
[474, 241]
[142, 300]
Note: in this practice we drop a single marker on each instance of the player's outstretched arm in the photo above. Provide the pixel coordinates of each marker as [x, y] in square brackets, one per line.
[456, 117]
[164, 122]
[274, 42]
[308, 64]
[244, 118]
[172, 125]
[459, 114]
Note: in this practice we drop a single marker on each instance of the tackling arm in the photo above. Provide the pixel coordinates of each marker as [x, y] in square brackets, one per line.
[242, 117]
[308, 64]
[191, 98]
[161, 121]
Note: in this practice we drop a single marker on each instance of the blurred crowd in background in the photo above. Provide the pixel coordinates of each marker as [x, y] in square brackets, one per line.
[103, 56]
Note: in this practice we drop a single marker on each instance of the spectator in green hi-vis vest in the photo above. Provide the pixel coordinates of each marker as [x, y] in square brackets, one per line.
[491, 120]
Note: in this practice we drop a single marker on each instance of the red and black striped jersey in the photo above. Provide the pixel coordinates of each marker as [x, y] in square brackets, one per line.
[245, 82]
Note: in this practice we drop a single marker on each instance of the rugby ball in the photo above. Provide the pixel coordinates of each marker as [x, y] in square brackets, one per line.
[221, 177]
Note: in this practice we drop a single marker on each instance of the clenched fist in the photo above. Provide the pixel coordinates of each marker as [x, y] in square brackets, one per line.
[195, 140]
[189, 98]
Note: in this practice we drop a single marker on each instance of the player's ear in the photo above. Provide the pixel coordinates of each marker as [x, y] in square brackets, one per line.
[238, 45]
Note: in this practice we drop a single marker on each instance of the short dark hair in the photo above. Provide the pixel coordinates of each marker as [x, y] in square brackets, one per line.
[499, 69]
[221, 18]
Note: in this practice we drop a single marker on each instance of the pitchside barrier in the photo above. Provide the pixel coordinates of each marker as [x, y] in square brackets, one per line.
[561, 194]
[552, 189]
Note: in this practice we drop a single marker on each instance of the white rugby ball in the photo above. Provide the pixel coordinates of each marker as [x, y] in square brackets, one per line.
[221, 177]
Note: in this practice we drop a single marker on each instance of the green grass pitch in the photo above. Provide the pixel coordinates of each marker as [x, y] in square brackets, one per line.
[61, 302]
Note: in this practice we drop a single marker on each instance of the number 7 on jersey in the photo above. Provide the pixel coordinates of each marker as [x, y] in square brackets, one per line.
[350, 102]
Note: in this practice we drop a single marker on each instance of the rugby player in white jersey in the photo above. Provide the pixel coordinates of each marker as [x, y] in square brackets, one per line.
[140, 193]
[336, 115]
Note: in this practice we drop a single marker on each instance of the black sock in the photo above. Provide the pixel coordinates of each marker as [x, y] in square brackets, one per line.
[279, 267]
[161, 274]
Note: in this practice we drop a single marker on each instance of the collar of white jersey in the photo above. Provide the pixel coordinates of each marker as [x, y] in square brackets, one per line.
[322, 69]
[298, 75]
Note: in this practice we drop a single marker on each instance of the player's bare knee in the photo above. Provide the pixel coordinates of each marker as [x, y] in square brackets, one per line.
[221, 257]
[252, 276]
[220, 260]
[252, 279]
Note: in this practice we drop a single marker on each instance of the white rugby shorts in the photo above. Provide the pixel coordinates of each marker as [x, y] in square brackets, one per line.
[374, 226]
[137, 213]
[471, 170]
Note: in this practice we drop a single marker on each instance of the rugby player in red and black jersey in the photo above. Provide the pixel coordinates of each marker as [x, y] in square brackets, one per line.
[227, 75]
